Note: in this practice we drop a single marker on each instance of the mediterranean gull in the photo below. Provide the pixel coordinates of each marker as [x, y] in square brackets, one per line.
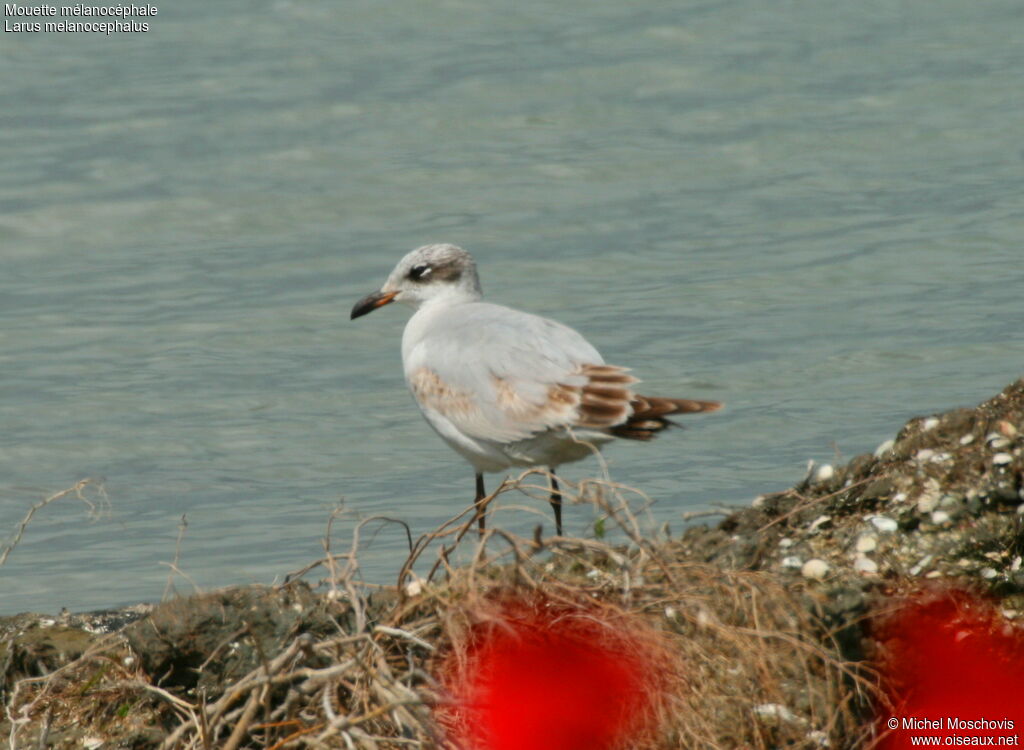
[506, 388]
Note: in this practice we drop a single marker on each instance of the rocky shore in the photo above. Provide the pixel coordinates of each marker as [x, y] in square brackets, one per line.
[941, 501]
[778, 596]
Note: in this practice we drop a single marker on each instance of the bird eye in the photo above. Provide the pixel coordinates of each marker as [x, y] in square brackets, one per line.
[418, 273]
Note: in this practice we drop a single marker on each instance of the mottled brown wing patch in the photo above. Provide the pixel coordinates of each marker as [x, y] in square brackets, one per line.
[603, 402]
[563, 396]
[557, 407]
[434, 393]
[649, 415]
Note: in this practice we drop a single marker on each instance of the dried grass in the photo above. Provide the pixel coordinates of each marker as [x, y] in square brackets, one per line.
[756, 669]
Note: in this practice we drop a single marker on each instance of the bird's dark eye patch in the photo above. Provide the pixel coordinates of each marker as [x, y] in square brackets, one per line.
[419, 273]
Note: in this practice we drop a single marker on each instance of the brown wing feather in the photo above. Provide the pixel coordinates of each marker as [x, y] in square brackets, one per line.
[606, 402]
[649, 415]
[605, 398]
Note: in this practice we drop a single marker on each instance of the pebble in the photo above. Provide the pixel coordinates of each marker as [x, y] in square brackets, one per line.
[792, 562]
[930, 424]
[1000, 459]
[996, 441]
[1006, 428]
[923, 563]
[884, 448]
[988, 573]
[865, 565]
[785, 542]
[928, 500]
[884, 524]
[967, 439]
[815, 569]
[773, 713]
[950, 501]
[824, 473]
[941, 517]
[818, 738]
[867, 543]
[924, 454]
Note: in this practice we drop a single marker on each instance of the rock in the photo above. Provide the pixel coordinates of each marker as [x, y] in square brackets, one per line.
[864, 564]
[772, 714]
[923, 563]
[815, 569]
[867, 543]
[884, 524]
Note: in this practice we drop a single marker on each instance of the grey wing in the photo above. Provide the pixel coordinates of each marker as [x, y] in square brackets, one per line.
[499, 374]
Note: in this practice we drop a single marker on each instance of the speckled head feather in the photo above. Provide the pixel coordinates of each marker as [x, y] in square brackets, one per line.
[432, 271]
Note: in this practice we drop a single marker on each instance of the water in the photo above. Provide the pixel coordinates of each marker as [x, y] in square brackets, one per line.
[811, 211]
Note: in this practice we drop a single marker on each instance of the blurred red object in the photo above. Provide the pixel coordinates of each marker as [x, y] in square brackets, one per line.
[546, 676]
[952, 667]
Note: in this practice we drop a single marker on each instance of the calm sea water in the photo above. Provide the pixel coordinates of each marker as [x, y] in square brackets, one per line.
[810, 210]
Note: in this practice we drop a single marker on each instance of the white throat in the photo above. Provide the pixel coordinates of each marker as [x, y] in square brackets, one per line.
[446, 295]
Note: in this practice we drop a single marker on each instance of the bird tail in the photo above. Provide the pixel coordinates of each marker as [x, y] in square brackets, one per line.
[650, 415]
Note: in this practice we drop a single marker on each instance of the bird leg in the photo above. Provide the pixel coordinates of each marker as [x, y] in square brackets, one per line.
[556, 502]
[481, 493]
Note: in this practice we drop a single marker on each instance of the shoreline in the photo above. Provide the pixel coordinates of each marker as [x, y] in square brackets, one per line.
[940, 505]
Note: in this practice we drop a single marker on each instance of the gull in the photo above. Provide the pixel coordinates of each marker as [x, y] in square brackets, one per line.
[506, 388]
